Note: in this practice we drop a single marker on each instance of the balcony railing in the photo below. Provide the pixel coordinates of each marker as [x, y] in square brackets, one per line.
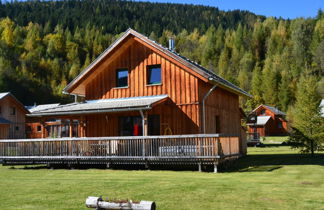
[156, 149]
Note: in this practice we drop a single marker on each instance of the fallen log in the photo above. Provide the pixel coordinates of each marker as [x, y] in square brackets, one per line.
[98, 203]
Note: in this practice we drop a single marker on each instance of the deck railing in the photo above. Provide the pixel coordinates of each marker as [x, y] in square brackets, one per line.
[156, 148]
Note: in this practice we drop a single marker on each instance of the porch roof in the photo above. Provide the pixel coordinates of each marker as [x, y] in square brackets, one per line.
[102, 106]
[261, 120]
[4, 121]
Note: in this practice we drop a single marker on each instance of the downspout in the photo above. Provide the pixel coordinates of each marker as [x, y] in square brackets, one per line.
[203, 107]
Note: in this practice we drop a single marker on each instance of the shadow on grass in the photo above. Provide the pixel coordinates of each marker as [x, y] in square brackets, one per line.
[271, 162]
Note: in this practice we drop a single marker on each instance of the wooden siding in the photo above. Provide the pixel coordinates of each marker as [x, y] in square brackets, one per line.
[4, 131]
[17, 120]
[173, 120]
[180, 85]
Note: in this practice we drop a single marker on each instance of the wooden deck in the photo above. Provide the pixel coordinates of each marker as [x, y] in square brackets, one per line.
[182, 149]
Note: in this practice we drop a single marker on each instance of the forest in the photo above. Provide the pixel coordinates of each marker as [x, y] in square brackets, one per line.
[45, 44]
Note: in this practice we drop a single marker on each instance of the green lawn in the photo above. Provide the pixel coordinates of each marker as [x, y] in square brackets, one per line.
[268, 178]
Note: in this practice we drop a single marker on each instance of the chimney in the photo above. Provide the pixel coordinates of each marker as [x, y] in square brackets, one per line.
[171, 44]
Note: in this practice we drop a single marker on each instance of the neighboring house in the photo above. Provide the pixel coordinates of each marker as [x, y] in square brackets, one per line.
[12, 117]
[270, 122]
[52, 127]
[137, 87]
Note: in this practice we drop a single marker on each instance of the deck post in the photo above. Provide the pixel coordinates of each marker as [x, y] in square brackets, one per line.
[199, 166]
[43, 128]
[144, 122]
[71, 128]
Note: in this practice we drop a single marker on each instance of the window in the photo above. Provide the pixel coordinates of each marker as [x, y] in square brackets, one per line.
[122, 78]
[12, 111]
[130, 126]
[154, 74]
[263, 112]
[0, 110]
[17, 128]
[279, 124]
[39, 128]
[217, 124]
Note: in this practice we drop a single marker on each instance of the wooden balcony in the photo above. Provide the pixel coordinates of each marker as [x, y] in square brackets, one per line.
[208, 149]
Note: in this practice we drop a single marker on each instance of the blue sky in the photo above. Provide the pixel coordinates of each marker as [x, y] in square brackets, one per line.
[277, 8]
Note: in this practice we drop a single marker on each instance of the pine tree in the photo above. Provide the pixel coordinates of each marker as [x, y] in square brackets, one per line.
[307, 123]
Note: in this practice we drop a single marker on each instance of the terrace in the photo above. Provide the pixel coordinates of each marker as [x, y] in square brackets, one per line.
[201, 149]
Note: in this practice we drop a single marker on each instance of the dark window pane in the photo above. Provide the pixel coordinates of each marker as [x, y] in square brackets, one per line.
[130, 126]
[154, 124]
[154, 74]
[122, 78]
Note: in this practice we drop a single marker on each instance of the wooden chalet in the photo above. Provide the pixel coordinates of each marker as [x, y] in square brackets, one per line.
[12, 117]
[138, 88]
[270, 122]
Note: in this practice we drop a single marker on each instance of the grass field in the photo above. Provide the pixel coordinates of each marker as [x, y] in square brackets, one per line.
[268, 178]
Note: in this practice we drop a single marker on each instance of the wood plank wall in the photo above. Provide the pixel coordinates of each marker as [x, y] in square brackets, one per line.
[181, 86]
[17, 120]
[224, 104]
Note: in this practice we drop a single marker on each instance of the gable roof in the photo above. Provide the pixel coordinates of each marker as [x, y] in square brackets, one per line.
[102, 106]
[203, 72]
[8, 94]
[275, 110]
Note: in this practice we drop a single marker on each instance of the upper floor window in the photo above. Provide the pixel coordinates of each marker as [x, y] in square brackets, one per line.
[279, 124]
[122, 78]
[154, 74]
[263, 112]
[12, 110]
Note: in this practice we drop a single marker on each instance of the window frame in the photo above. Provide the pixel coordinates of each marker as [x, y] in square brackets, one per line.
[148, 70]
[117, 79]
[12, 110]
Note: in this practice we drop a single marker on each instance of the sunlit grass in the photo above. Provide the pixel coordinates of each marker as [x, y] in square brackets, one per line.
[268, 178]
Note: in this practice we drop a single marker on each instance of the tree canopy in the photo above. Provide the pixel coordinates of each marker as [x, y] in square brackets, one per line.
[45, 44]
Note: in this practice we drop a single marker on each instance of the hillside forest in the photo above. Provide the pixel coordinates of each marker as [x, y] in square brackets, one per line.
[44, 45]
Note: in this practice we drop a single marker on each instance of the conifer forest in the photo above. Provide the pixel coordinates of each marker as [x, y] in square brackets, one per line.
[45, 44]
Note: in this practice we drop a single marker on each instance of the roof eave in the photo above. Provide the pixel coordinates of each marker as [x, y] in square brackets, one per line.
[231, 89]
[94, 111]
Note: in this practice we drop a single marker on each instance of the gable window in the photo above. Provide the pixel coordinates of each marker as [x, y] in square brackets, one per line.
[279, 124]
[154, 74]
[121, 77]
[12, 110]
[263, 112]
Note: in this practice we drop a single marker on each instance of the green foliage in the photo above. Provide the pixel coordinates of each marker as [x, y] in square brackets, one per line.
[308, 130]
[45, 44]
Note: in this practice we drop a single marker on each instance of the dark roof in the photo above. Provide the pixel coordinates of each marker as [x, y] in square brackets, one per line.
[211, 76]
[4, 121]
[272, 109]
[102, 106]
